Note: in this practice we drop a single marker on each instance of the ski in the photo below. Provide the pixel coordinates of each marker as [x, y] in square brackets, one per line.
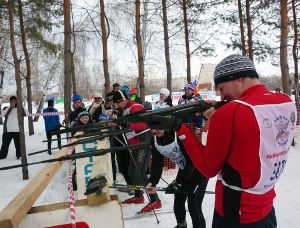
[147, 214]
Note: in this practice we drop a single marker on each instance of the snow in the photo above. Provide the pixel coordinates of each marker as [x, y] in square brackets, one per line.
[287, 202]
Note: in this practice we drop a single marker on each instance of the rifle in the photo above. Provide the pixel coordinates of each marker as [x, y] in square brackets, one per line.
[78, 155]
[103, 133]
[88, 140]
[192, 107]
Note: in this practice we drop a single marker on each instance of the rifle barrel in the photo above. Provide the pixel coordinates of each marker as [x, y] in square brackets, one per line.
[78, 156]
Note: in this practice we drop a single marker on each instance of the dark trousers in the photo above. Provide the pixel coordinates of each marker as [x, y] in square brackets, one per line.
[268, 222]
[138, 166]
[113, 165]
[6, 139]
[194, 199]
[49, 137]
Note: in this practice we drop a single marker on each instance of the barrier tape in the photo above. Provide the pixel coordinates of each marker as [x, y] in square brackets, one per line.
[71, 192]
[45, 114]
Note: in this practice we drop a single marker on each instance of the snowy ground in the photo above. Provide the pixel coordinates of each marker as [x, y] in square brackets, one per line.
[287, 202]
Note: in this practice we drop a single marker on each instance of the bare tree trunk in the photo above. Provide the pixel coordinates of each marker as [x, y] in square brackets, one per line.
[19, 90]
[141, 78]
[28, 68]
[104, 46]
[39, 109]
[286, 82]
[187, 42]
[67, 61]
[167, 47]
[1, 70]
[74, 86]
[295, 53]
[243, 44]
[249, 29]
[1, 93]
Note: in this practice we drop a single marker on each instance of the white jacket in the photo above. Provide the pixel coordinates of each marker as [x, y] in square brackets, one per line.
[12, 121]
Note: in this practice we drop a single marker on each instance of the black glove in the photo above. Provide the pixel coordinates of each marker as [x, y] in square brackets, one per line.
[174, 187]
[163, 122]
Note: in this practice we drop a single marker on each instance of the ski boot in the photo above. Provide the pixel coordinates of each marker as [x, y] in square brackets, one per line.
[135, 200]
[152, 206]
[181, 225]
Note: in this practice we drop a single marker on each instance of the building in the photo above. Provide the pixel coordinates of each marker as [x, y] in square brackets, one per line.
[206, 78]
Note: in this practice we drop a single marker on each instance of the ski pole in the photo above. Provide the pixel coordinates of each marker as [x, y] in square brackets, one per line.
[139, 187]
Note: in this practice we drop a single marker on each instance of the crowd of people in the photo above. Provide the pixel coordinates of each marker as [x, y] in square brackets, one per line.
[247, 145]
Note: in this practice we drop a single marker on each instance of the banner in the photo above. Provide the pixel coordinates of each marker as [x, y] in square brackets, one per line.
[60, 100]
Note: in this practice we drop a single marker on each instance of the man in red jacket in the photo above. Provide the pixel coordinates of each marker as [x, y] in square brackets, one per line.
[247, 145]
[139, 157]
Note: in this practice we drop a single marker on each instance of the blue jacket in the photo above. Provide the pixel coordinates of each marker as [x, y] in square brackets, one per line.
[51, 121]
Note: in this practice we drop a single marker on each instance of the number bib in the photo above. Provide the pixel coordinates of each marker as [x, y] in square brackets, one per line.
[277, 128]
[172, 151]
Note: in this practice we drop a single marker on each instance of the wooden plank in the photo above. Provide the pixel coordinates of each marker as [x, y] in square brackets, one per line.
[63, 205]
[56, 206]
[97, 216]
[14, 212]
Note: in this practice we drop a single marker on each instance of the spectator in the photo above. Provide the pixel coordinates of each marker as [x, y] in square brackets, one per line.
[96, 108]
[194, 122]
[78, 107]
[165, 99]
[116, 87]
[11, 128]
[51, 124]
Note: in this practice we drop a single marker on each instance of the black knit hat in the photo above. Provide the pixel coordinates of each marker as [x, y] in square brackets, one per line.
[233, 67]
[119, 96]
[50, 103]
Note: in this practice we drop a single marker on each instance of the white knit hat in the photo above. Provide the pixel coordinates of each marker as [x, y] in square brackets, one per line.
[164, 91]
[97, 95]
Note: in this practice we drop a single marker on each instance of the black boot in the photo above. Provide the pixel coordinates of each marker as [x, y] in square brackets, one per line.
[181, 225]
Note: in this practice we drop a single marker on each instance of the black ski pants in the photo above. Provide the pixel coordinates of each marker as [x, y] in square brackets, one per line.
[268, 222]
[6, 140]
[49, 137]
[138, 166]
[194, 199]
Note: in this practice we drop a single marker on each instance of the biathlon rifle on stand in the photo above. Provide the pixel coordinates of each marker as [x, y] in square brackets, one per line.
[79, 155]
[87, 140]
[179, 110]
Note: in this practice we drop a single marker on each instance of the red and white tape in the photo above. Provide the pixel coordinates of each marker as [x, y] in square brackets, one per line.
[71, 192]
[45, 114]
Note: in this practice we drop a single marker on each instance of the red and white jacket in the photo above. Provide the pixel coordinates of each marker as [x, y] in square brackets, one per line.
[132, 107]
[233, 151]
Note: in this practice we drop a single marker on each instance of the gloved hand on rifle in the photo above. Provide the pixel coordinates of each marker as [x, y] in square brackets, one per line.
[174, 187]
[163, 122]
